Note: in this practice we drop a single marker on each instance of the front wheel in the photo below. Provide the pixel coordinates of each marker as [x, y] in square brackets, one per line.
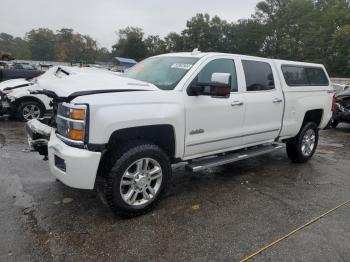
[30, 110]
[301, 148]
[138, 179]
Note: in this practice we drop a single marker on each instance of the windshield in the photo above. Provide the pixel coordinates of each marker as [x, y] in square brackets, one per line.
[29, 67]
[164, 72]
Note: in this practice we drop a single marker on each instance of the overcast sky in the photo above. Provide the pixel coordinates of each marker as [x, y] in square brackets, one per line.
[101, 19]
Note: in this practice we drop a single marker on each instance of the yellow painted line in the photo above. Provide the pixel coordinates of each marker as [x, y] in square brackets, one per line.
[294, 231]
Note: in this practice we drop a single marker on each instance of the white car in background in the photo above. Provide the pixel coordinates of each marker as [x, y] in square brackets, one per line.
[17, 101]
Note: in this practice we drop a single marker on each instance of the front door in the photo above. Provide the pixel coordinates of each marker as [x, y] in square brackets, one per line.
[214, 124]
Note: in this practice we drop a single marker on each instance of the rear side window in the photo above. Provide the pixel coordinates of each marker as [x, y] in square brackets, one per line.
[258, 75]
[316, 76]
[304, 76]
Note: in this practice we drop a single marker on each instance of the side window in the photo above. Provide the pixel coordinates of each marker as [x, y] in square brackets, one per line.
[219, 66]
[304, 76]
[295, 76]
[258, 75]
[316, 76]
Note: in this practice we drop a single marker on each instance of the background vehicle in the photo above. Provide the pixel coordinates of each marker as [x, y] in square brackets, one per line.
[208, 109]
[4, 64]
[341, 111]
[24, 66]
[10, 73]
[16, 100]
[339, 87]
[18, 70]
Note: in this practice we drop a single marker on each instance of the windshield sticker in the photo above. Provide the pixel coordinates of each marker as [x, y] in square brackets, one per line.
[181, 66]
[137, 68]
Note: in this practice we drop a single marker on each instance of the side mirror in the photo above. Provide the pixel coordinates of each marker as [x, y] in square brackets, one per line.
[219, 86]
[222, 79]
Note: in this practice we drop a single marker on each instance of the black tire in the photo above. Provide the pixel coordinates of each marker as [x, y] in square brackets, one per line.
[24, 105]
[123, 157]
[294, 146]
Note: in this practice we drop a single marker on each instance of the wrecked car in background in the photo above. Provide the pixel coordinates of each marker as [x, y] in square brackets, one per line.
[341, 109]
[16, 100]
[340, 87]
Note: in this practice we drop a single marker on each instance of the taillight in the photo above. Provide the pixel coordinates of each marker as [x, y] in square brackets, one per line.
[334, 101]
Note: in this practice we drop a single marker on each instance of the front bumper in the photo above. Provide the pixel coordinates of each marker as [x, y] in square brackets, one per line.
[74, 167]
[5, 107]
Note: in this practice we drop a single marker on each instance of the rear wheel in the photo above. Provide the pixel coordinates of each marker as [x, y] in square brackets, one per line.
[138, 179]
[30, 110]
[301, 148]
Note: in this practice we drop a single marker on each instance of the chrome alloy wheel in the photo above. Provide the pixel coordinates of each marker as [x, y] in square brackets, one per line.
[141, 182]
[31, 111]
[308, 142]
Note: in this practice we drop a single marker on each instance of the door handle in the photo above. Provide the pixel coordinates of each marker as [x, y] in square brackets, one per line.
[236, 103]
[277, 100]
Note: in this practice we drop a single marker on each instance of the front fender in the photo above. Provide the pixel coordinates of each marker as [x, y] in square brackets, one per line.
[106, 120]
[114, 111]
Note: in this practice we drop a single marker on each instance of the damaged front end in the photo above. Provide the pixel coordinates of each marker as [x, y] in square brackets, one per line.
[5, 105]
[342, 109]
[38, 132]
[7, 99]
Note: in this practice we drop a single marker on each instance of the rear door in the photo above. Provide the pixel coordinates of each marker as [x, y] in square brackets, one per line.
[264, 102]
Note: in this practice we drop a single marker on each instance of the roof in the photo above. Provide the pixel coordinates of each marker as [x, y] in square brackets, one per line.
[186, 54]
[198, 54]
[125, 60]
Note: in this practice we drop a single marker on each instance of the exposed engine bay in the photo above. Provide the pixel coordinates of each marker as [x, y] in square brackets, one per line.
[341, 111]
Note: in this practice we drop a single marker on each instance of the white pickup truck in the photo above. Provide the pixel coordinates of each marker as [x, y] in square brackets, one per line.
[206, 109]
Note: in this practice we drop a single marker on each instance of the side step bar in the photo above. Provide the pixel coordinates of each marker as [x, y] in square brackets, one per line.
[200, 164]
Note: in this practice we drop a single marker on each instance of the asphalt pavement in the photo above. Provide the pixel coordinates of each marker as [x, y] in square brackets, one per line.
[222, 214]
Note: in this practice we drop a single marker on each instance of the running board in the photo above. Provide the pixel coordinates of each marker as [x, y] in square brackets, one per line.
[205, 163]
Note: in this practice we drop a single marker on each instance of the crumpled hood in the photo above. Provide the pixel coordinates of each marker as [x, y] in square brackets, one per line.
[12, 83]
[66, 81]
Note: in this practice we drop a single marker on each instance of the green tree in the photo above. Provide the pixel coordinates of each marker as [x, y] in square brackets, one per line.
[245, 37]
[103, 55]
[130, 44]
[42, 44]
[155, 45]
[15, 46]
[65, 49]
[340, 57]
[174, 42]
[74, 47]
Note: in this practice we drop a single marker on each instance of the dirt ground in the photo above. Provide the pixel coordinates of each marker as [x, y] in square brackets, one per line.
[222, 214]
